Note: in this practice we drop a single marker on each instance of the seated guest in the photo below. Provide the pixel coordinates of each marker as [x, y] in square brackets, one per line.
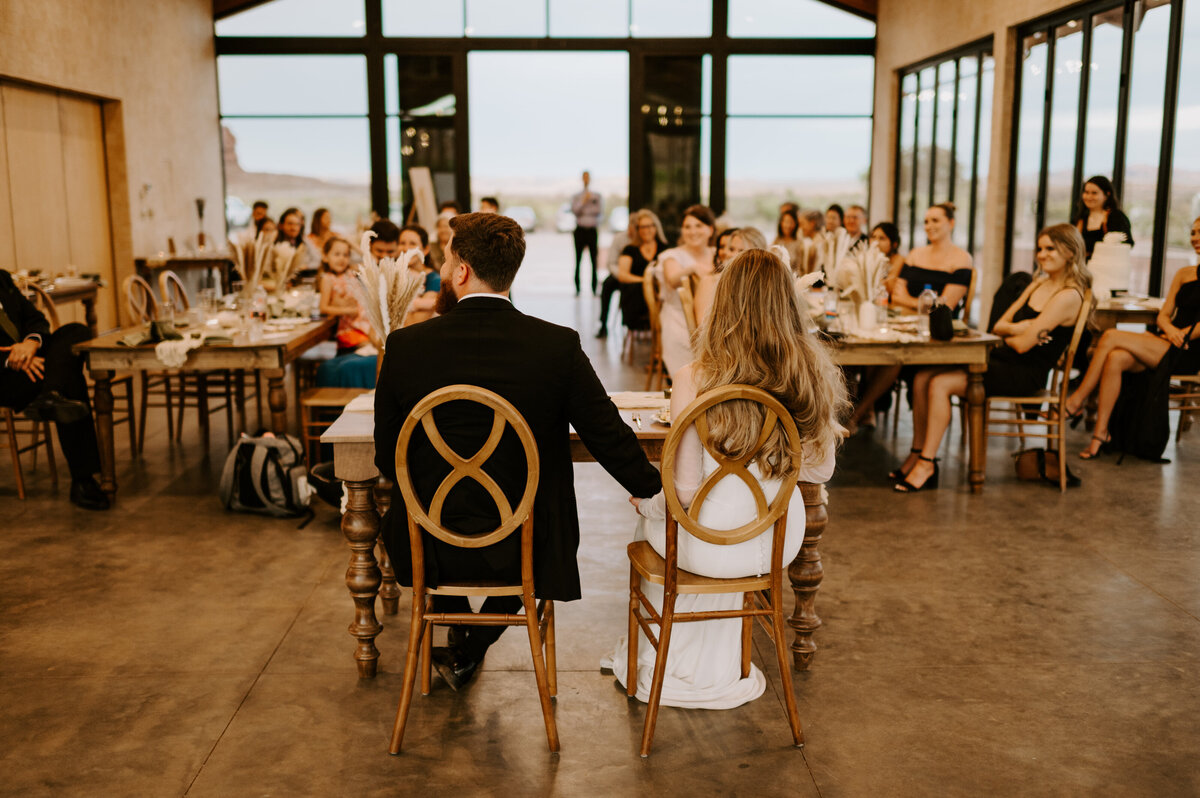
[941, 264]
[834, 242]
[340, 297]
[1100, 213]
[1120, 352]
[321, 229]
[449, 206]
[481, 339]
[413, 236]
[855, 224]
[743, 238]
[489, 205]
[386, 243]
[291, 232]
[787, 228]
[1036, 330]
[754, 336]
[258, 212]
[877, 380]
[437, 253]
[834, 218]
[812, 225]
[43, 377]
[611, 284]
[646, 243]
[694, 256]
[722, 255]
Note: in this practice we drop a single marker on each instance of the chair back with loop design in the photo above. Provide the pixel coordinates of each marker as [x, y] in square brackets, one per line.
[1013, 412]
[762, 594]
[140, 301]
[687, 298]
[538, 620]
[172, 290]
[650, 288]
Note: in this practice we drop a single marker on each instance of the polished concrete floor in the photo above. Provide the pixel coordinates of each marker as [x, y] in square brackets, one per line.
[1020, 642]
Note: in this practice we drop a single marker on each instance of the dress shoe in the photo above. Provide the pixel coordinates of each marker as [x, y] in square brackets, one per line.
[456, 637]
[455, 668]
[86, 493]
[53, 406]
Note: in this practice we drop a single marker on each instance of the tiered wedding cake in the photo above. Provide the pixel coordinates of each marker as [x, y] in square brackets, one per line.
[1110, 266]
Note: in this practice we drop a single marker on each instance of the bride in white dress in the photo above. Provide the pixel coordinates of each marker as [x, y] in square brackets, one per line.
[694, 255]
[754, 335]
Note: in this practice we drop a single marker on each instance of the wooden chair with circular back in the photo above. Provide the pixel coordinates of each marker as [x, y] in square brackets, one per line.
[1013, 413]
[688, 300]
[140, 301]
[762, 595]
[16, 426]
[198, 387]
[655, 370]
[142, 307]
[538, 620]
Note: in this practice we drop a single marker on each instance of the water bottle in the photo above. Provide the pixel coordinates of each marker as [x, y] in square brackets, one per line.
[925, 303]
[832, 324]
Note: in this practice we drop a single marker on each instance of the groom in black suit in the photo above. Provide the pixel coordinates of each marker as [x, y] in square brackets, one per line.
[481, 339]
[44, 378]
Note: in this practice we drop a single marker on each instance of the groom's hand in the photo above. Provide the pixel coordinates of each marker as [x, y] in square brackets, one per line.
[636, 502]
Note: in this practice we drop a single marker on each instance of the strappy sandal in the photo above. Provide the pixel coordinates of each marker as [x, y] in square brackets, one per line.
[904, 486]
[1104, 448]
[897, 474]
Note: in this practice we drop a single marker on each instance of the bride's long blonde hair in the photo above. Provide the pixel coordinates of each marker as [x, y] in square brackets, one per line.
[754, 335]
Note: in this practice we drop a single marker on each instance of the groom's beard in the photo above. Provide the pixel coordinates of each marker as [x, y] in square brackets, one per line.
[446, 299]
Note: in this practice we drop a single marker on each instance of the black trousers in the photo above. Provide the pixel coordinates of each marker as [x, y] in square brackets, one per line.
[610, 286]
[64, 373]
[586, 238]
[467, 566]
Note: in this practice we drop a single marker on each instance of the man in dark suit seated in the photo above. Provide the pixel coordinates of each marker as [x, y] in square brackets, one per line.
[43, 377]
[481, 339]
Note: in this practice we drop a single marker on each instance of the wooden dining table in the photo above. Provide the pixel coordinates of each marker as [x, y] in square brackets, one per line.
[269, 354]
[969, 351]
[352, 437]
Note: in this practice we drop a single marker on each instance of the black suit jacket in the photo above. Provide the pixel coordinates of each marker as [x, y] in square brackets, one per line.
[25, 316]
[541, 369]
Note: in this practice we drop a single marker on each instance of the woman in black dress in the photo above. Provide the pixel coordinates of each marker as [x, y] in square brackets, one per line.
[1036, 330]
[941, 264]
[1120, 351]
[640, 253]
[1100, 214]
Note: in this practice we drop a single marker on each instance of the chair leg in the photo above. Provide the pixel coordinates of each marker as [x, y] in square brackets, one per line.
[258, 397]
[229, 409]
[551, 656]
[133, 420]
[539, 670]
[50, 454]
[747, 633]
[427, 660]
[631, 663]
[141, 430]
[16, 455]
[660, 671]
[785, 667]
[416, 630]
[202, 408]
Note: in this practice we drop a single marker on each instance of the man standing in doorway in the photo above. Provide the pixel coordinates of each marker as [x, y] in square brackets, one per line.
[588, 207]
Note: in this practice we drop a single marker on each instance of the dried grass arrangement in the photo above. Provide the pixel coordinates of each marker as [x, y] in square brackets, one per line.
[389, 288]
[860, 275]
[252, 262]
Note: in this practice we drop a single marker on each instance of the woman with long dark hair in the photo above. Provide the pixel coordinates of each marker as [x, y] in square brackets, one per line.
[1100, 213]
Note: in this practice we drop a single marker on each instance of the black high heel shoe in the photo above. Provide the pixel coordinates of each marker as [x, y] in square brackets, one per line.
[898, 474]
[904, 486]
[1104, 448]
[1073, 419]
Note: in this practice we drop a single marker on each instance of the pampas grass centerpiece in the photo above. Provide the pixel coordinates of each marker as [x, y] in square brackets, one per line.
[389, 288]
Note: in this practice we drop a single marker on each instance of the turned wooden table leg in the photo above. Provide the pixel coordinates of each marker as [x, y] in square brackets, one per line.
[104, 432]
[806, 574]
[239, 393]
[89, 314]
[389, 592]
[277, 401]
[978, 445]
[360, 525]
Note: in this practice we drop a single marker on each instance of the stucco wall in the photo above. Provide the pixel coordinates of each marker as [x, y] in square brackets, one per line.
[909, 31]
[154, 59]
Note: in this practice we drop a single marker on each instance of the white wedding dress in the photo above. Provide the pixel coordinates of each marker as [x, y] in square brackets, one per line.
[704, 669]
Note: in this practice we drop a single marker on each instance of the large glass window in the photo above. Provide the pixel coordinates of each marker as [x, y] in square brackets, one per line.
[278, 143]
[589, 18]
[297, 18]
[809, 19]
[1076, 122]
[671, 18]
[942, 154]
[1185, 174]
[812, 147]
[506, 18]
[422, 18]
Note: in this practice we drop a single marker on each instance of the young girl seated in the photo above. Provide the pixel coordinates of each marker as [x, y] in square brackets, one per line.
[339, 296]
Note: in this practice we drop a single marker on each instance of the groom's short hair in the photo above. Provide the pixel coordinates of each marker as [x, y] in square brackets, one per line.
[494, 245]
